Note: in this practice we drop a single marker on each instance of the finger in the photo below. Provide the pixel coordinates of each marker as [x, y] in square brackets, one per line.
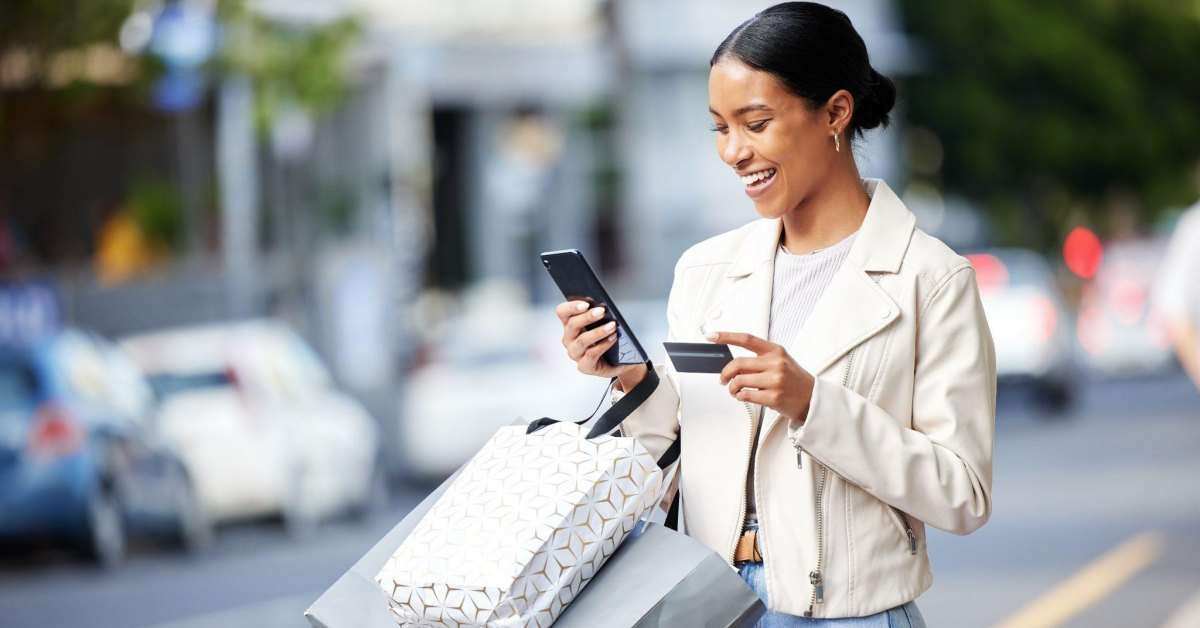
[567, 309]
[595, 353]
[737, 366]
[585, 340]
[744, 340]
[589, 338]
[760, 381]
[576, 323]
[761, 397]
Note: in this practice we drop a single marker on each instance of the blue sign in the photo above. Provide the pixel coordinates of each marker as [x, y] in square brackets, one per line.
[28, 312]
[184, 37]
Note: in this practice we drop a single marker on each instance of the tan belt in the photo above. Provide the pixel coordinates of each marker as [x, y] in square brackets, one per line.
[747, 548]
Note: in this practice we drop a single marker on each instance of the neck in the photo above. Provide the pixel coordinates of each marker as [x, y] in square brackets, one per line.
[829, 215]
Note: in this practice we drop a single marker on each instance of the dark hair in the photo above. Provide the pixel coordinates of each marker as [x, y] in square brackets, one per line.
[814, 51]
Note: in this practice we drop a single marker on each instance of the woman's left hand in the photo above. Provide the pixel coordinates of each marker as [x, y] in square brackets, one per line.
[771, 378]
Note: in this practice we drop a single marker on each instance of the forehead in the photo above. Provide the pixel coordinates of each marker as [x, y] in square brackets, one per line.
[733, 84]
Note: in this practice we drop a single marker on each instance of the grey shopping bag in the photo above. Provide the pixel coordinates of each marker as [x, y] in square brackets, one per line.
[657, 578]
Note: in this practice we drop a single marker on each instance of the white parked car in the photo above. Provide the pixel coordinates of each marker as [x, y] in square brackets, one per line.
[1030, 323]
[492, 368]
[255, 418]
[1119, 331]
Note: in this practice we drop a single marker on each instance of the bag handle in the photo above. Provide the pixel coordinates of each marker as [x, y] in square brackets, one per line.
[615, 415]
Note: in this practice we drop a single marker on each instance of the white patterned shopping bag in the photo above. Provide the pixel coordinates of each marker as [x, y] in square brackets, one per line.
[531, 518]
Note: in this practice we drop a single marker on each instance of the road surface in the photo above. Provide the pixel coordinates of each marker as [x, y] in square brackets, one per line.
[1096, 522]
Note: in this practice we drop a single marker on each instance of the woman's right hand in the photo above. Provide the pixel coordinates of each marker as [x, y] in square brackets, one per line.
[586, 348]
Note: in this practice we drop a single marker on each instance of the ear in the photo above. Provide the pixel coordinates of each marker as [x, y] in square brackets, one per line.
[839, 110]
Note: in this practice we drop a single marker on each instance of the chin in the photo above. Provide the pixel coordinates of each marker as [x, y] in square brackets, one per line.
[770, 209]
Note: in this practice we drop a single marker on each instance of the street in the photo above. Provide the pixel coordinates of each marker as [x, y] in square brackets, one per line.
[1096, 522]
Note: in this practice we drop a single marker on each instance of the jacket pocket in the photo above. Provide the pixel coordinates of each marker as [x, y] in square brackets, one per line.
[903, 528]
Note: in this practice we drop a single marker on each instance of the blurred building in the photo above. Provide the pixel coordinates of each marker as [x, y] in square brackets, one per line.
[475, 135]
[583, 124]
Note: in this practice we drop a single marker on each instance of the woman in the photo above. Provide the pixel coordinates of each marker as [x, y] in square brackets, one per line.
[863, 404]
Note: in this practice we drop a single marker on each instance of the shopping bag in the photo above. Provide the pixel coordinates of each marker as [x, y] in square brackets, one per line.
[656, 579]
[529, 521]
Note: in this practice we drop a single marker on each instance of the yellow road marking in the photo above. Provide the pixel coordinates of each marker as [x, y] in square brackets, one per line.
[1089, 585]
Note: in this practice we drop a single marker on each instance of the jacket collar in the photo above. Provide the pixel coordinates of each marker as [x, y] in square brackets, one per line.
[879, 246]
[853, 306]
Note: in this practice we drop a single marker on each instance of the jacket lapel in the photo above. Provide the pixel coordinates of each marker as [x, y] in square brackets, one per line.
[745, 306]
[853, 306]
[852, 309]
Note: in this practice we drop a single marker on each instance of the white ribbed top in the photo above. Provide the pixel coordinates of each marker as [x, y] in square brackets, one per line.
[797, 285]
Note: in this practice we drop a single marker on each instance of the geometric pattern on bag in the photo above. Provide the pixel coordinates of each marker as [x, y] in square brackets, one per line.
[531, 518]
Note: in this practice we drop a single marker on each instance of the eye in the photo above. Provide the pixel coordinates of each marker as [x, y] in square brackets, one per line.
[758, 125]
[718, 128]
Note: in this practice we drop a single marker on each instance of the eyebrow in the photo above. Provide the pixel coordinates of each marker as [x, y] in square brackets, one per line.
[740, 110]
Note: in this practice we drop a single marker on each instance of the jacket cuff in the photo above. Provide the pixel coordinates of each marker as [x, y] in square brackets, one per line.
[655, 422]
[796, 429]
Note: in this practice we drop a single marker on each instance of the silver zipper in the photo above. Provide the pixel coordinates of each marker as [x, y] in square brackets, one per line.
[737, 528]
[902, 523]
[816, 577]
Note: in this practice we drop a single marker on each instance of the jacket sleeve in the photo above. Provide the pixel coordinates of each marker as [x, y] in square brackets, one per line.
[655, 423]
[940, 470]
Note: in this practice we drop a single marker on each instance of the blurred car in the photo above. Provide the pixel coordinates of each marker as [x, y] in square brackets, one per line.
[494, 366]
[1119, 332]
[254, 416]
[1029, 322]
[77, 460]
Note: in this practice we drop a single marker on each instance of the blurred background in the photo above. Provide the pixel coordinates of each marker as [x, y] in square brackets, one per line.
[268, 272]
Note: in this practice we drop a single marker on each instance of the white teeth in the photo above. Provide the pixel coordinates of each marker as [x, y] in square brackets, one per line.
[755, 177]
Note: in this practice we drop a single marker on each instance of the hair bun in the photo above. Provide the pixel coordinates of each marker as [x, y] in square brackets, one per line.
[876, 102]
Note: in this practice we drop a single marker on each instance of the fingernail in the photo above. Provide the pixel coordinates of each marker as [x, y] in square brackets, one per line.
[712, 335]
[581, 306]
[610, 326]
[598, 312]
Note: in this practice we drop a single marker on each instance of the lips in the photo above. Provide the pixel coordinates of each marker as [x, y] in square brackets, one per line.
[757, 182]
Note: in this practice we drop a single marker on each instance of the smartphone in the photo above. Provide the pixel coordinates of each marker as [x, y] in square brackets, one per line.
[577, 282]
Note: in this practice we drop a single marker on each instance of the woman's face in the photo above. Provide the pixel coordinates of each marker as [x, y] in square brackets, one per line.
[770, 137]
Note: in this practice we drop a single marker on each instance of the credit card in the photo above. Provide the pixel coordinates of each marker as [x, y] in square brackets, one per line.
[698, 357]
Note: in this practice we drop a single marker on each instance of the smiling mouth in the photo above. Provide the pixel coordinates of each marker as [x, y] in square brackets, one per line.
[758, 179]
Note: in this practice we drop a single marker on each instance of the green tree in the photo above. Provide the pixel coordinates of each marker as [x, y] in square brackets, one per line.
[288, 64]
[1048, 111]
[44, 26]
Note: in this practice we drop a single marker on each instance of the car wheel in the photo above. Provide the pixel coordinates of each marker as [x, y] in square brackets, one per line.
[298, 519]
[193, 528]
[105, 542]
[1055, 398]
[377, 497]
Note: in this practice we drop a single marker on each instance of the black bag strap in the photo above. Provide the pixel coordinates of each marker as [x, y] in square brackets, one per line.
[545, 421]
[672, 520]
[615, 415]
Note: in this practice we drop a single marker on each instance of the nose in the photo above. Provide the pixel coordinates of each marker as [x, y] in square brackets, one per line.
[735, 150]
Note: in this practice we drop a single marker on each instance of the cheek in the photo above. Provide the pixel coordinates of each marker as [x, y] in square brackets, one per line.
[804, 159]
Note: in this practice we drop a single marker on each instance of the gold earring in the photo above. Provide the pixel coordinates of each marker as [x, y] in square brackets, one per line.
[837, 143]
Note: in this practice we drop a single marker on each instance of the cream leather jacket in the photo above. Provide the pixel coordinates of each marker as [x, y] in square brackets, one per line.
[898, 434]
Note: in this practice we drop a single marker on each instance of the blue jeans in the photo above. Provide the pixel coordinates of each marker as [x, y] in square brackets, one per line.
[903, 616]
